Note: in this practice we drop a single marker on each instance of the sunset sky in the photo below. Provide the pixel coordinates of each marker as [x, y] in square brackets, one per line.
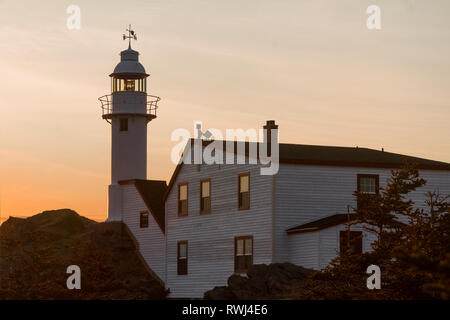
[313, 66]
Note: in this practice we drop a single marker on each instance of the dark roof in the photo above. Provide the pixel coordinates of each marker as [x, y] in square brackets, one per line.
[328, 222]
[338, 156]
[352, 157]
[323, 223]
[334, 156]
[152, 192]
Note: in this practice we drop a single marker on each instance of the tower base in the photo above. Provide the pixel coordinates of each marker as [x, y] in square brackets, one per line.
[114, 202]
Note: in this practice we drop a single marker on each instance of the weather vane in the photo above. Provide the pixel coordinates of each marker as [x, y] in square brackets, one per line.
[131, 35]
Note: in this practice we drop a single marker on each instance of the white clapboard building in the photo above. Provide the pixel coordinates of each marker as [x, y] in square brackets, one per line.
[213, 220]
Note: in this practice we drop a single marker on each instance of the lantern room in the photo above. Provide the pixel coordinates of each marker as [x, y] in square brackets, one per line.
[128, 97]
[127, 84]
[129, 74]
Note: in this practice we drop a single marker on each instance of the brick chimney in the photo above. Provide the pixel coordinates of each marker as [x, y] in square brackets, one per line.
[270, 125]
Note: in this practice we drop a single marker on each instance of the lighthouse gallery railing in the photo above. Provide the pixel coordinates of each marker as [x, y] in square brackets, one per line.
[107, 105]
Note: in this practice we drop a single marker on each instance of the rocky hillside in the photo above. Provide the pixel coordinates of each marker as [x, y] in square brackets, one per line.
[36, 251]
[274, 281]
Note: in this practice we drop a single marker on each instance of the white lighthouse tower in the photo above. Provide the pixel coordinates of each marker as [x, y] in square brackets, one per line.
[128, 109]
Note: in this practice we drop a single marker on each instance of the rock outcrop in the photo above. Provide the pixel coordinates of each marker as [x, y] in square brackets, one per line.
[274, 281]
[36, 251]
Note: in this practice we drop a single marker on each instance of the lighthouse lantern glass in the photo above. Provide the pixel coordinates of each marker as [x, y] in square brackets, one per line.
[119, 84]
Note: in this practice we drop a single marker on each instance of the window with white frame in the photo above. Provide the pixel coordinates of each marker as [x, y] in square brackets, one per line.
[243, 249]
[368, 183]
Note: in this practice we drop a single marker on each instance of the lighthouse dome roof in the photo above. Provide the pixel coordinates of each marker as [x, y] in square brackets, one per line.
[129, 65]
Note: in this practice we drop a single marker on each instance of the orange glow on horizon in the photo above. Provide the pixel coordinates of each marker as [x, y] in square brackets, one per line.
[311, 66]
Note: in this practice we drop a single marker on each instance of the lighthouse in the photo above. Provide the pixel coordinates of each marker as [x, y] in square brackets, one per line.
[128, 108]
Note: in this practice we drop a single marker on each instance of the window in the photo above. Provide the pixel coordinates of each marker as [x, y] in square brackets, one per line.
[205, 196]
[244, 191]
[128, 85]
[123, 124]
[182, 257]
[354, 244]
[368, 183]
[182, 199]
[144, 219]
[243, 253]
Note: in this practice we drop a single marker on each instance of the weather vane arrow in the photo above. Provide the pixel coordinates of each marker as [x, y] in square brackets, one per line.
[131, 35]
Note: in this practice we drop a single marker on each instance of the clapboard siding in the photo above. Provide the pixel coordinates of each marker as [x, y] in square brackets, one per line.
[304, 193]
[151, 240]
[304, 249]
[296, 195]
[316, 249]
[329, 245]
[211, 236]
